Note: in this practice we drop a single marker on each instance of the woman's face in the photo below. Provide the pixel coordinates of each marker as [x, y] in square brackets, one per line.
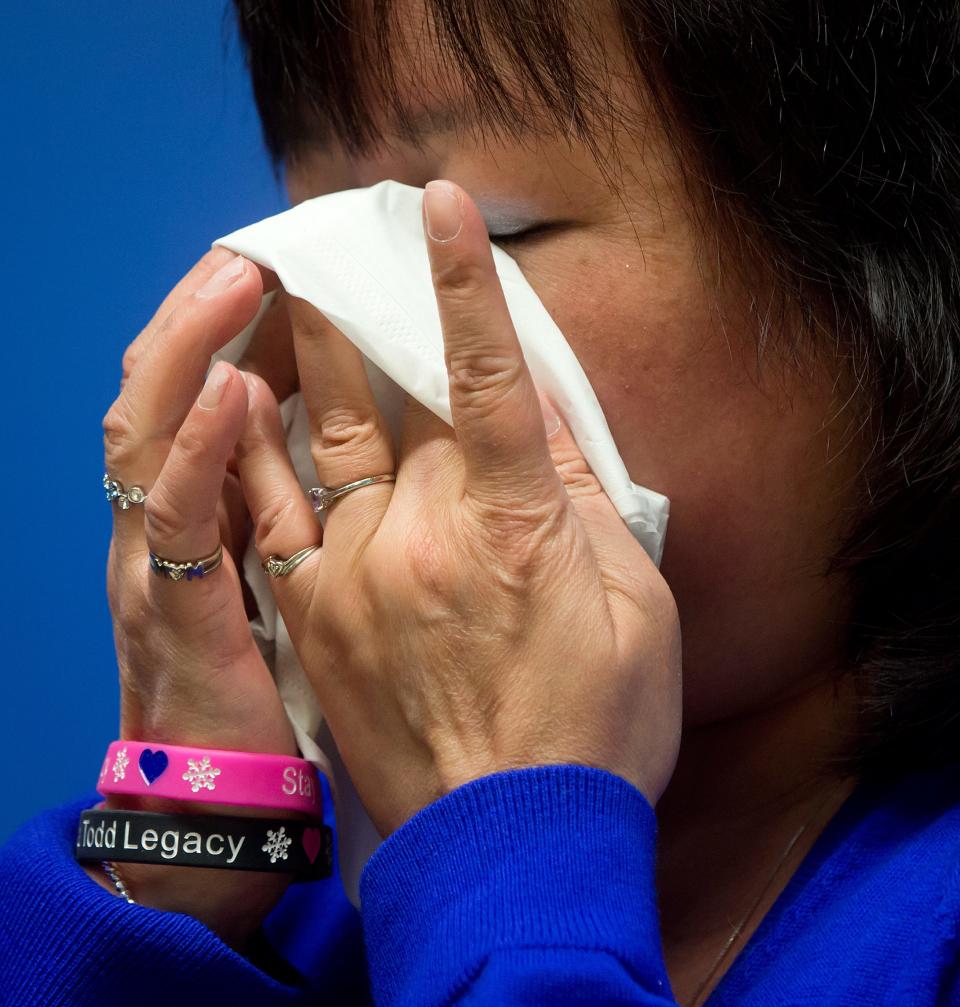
[755, 461]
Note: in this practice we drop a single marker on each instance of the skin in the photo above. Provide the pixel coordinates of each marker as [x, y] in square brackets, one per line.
[760, 463]
[671, 355]
[443, 603]
[190, 672]
[760, 466]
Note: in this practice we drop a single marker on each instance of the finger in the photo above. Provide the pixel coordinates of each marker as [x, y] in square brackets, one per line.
[198, 275]
[202, 271]
[496, 412]
[283, 519]
[429, 455]
[270, 354]
[619, 556]
[180, 515]
[142, 423]
[170, 373]
[349, 439]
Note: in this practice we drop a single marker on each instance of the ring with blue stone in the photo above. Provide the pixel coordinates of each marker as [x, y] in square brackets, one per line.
[193, 569]
[123, 498]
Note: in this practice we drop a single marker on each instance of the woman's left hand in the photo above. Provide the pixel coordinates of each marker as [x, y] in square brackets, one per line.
[490, 609]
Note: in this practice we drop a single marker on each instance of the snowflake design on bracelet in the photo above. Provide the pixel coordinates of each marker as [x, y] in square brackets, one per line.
[277, 844]
[120, 764]
[200, 774]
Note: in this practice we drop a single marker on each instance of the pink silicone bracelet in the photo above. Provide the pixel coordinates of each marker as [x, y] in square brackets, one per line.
[212, 775]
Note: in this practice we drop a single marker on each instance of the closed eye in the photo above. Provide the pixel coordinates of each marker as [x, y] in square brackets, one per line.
[527, 234]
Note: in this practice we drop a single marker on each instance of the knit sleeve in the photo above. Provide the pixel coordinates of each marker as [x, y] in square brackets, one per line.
[528, 887]
[64, 940]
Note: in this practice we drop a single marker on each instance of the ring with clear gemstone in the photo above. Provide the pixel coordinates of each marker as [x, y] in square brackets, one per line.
[323, 496]
[124, 498]
[277, 566]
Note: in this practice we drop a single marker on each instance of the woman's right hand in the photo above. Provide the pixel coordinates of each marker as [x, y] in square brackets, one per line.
[190, 670]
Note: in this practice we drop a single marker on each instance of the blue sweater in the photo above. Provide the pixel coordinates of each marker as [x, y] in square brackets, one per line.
[529, 887]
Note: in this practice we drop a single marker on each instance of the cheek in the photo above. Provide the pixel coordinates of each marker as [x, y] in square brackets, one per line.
[757, 483]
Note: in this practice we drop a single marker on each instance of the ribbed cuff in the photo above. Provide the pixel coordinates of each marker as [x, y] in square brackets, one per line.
[555, 856]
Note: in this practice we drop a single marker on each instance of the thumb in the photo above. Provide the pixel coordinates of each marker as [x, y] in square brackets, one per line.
[581, 484]
[619, 555]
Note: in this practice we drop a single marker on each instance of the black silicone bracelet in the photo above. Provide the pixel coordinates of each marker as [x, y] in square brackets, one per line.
[278, 845]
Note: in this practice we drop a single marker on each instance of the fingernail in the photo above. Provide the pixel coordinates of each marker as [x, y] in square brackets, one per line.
[248, 381]
[224, 278]
[444, 211]
[551, 418]
[214, 385]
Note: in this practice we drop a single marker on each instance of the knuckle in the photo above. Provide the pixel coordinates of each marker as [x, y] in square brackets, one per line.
[120, 443]
[126, 595]
[428, 564]
[130, 359]
[273, 515]
[192, 448]
[522, 538]
[529, 541]
[114, 574]
[650, 600]
[346, 430]
[576, 474]
[461, 280]
[164, 516]
[487, 376]
[176, 322]
[114, 591]
[129, 610]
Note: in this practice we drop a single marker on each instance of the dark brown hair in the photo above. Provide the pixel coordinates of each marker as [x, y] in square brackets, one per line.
[827, 133]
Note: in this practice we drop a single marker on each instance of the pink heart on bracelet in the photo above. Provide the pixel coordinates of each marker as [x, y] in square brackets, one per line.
[312, 842]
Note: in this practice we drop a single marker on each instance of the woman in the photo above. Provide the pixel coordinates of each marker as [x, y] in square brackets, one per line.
[685, 186]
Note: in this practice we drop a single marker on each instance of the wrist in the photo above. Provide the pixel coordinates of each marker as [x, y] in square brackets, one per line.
[231, 903]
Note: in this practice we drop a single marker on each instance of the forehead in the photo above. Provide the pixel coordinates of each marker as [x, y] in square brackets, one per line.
[410, 69]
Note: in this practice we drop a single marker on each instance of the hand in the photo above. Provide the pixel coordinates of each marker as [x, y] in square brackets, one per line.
[190, 671]
[488, 610]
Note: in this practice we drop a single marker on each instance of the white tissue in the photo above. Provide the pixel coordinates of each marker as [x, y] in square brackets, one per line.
[360, 258]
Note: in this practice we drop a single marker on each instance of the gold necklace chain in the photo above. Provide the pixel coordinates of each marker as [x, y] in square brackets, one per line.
[755, 905]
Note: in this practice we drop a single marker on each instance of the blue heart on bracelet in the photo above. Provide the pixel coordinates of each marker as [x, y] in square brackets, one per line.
[152, 765]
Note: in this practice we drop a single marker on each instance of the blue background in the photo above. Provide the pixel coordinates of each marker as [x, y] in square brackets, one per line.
[130, 142]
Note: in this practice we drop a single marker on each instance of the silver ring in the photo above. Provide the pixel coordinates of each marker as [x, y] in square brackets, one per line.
[323, 496]
[193, 568]
[124, 498]
[277, 566]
